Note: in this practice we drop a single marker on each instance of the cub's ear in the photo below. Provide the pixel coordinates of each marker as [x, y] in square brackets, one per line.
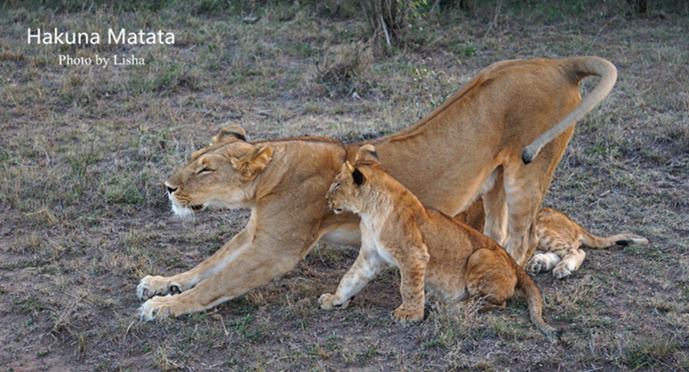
[229, 134]
[347, 166]
[253, 162]
[359, 177]
[368, 153]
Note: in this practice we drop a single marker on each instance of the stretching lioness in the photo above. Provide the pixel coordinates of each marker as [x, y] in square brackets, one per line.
[559, 239]
[449, 259]
[473, 144]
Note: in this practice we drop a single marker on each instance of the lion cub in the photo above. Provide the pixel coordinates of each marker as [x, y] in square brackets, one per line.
[559, 240]
[449, 259]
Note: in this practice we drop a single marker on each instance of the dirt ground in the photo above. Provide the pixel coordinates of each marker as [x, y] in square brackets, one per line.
[84, 151]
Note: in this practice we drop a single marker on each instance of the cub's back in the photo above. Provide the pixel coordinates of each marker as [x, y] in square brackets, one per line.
[450, 241]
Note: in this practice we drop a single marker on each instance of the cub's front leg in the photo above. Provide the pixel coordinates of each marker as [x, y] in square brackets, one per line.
[366, 266]
[412, 266]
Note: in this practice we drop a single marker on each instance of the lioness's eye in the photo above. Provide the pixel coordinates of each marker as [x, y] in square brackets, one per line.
[337, 185]
[204, 170]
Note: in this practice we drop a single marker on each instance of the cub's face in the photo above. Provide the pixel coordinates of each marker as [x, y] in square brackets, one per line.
[344, 190]
[217, 176]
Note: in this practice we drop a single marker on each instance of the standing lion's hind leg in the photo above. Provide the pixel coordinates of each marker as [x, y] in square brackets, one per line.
[525, 188]
[522, 239]
[495, 208]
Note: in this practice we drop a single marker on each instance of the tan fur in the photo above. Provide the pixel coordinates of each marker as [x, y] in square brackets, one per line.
[471, 145]
[449, 259]
[559, 240]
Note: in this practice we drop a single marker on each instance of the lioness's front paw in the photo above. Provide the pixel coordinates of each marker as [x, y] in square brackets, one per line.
[157, 307]
[402, 315]
[561, 271]
[156, 285]
[329, 301]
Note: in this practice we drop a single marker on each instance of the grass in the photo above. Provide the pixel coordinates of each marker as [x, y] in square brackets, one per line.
[84, 151]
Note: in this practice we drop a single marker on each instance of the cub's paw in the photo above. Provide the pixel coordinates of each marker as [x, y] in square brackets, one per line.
[403, 315]
[330, 301]
[156, 285]
[157, 307]
[537, 264]
[561, 271]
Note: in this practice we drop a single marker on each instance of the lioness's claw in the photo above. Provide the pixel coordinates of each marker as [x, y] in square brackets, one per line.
[156, 285]
[156, 307]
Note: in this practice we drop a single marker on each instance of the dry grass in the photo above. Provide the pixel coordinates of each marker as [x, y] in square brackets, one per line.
[84, 151]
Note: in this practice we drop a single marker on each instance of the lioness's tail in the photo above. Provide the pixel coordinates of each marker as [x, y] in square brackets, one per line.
[533, 297]
[581, 67]
[595, 241]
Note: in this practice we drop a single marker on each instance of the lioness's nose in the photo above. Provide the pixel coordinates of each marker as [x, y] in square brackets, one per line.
[170, 189]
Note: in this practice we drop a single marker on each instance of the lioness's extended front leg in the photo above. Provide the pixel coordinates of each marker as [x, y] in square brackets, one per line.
[274, 248]
[259, 262]
[158, 285]
[366, 266]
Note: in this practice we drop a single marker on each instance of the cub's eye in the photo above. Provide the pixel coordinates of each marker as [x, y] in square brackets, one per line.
[337, 185]
[204, 170]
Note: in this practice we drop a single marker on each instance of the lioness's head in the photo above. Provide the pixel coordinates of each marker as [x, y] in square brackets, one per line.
[219, 175]
[350, 185]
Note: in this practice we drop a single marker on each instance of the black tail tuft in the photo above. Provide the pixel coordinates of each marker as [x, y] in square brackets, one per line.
[624, 242]
[527, 157]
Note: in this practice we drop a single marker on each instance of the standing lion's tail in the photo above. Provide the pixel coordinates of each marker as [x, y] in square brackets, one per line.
[533, 298]
[595, 241]
[581, 67]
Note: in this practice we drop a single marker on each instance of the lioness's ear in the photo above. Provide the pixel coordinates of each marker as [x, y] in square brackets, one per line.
[254, 162]
[229, 134]
[359, 177]
[367, 152]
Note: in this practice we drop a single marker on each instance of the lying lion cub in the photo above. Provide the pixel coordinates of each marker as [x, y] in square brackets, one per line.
[559, 240]
[449, 259]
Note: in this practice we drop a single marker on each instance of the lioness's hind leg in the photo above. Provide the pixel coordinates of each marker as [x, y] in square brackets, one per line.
[525, 188]
[495, 208]
[523, 203]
